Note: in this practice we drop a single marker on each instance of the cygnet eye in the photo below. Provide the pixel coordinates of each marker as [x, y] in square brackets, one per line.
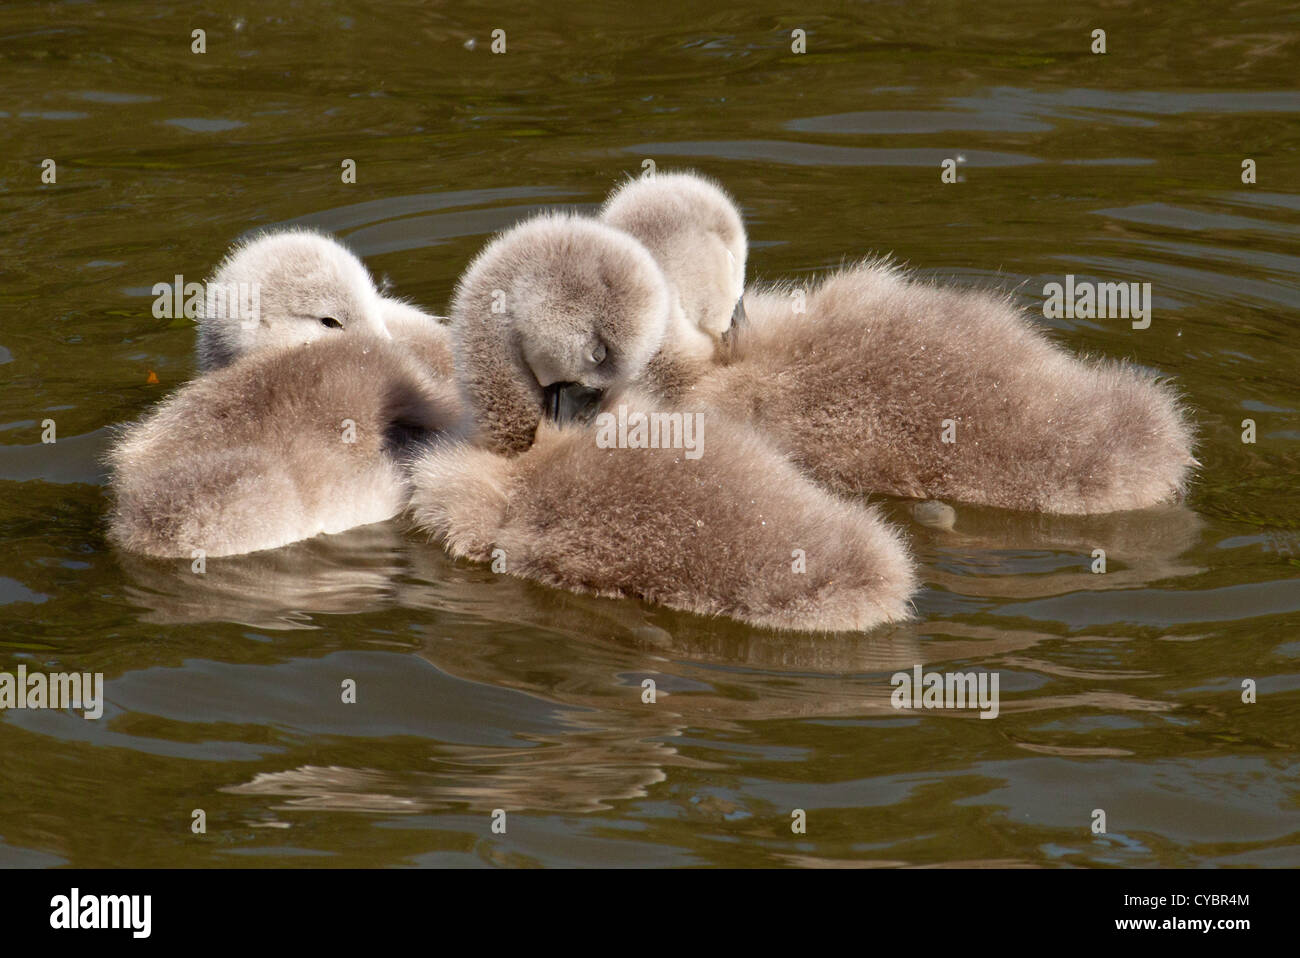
[598, 354]
[330, 322]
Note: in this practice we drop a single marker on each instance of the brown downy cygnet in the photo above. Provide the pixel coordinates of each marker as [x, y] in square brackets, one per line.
[300, 426]
[548, 323]
[283, 445]
[872, 381]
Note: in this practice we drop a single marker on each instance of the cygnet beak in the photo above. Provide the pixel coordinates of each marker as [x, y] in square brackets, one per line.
[738, 321]
[571, 402]
[738, 317]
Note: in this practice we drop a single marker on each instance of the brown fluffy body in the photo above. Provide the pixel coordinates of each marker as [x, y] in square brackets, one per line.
[715, 535]
[857, 388]
[252, 456]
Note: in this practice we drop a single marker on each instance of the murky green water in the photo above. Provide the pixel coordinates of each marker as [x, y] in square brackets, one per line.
[1120, 691]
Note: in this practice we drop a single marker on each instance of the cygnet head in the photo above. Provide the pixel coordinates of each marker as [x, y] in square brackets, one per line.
[551, 316]
[694, 229]
[285, 289]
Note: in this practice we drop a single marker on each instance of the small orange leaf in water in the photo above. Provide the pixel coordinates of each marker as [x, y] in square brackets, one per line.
[153, 378]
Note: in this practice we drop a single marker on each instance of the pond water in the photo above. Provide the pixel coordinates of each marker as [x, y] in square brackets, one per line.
[1120, 691]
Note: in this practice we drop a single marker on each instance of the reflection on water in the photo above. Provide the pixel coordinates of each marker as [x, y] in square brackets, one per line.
[1120, 690]
[280, 589]
[612, 744]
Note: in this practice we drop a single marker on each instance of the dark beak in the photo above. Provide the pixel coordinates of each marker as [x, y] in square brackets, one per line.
[571, 402]
[738, 322]
[738, 317]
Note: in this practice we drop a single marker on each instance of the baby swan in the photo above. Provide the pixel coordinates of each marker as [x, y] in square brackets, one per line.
[303, 286]
[283, 289]
[696, 234]
[300, 427]
[549, 323]
[872, 381]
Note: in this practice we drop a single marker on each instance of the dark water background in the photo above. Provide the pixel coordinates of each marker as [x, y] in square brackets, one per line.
[1119, 691]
